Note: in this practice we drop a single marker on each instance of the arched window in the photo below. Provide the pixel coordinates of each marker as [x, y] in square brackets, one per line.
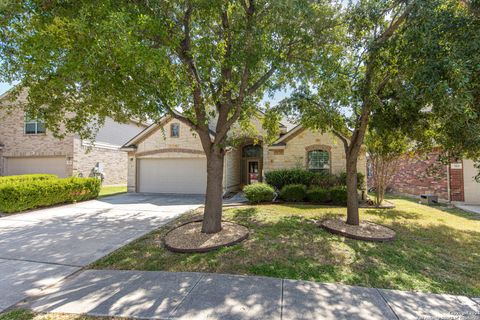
[319, 161]
[252, 151]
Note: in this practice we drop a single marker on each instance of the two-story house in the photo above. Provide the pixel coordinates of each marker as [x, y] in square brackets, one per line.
[27, 147]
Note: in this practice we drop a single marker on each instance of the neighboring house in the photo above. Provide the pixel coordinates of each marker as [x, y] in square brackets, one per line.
[168, 158]
[27, 147]
[425, 174]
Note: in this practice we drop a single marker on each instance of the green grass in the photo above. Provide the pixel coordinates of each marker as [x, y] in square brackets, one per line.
[437, 249]
[22, 314]
[112, 190]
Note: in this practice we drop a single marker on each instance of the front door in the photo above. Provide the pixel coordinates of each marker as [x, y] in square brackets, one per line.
[253, 172]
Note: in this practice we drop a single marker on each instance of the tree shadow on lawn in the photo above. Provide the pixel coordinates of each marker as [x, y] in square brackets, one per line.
[393, 214]
[433, 257]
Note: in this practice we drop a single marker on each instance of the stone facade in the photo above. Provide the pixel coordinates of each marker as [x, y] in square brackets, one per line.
[159, 143]
[294, 153]
[156, 142]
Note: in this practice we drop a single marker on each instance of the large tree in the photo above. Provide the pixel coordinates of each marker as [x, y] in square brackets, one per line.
[412, 64]
[195, 60]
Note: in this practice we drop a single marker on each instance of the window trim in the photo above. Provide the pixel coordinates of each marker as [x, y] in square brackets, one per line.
[172, 125]
[318, 147]
[34, 121]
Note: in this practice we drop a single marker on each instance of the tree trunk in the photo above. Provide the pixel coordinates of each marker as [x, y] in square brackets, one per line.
[212, 217]
[352, 194]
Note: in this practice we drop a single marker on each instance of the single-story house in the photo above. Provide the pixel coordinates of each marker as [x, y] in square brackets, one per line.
[424, 173]
[168, 157]
[27, 147]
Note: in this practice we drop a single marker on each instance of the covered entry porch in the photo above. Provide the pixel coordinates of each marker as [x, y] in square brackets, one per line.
[243, 166]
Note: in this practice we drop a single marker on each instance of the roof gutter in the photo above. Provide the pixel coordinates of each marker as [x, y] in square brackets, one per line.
[128, 148]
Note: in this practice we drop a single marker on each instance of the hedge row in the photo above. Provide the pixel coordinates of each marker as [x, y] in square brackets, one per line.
[27, 177]
[29, 194]
[262, 192]
[280, 178]
[298, 193]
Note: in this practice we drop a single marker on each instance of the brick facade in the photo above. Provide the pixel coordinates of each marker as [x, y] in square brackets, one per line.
[16, 144]
[114, 162]
[420, 174]
[457, 184]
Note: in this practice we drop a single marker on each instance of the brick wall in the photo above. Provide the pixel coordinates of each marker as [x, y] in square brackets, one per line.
[115, 162]
[456, 181]
[420, 174]
[18, 144]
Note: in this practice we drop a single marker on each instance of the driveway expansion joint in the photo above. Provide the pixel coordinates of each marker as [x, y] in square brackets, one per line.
[42, 262]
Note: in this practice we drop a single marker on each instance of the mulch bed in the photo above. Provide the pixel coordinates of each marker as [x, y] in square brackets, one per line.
[366, 231]
[188, 238]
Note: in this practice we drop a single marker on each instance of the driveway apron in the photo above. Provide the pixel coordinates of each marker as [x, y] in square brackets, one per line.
[42, 247]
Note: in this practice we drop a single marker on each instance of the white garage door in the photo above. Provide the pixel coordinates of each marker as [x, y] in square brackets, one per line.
[27, 165]
[472, 188]
[187, 176]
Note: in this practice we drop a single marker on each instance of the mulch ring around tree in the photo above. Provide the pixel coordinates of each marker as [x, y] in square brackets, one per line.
[188, 238]
[366, 231]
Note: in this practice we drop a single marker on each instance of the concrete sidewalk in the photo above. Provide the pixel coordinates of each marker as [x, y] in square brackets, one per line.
[172, 295]
[469, 208]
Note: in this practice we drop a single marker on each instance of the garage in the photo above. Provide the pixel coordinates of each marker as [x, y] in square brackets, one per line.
[472, 187]
[172, 175]
[28, 165]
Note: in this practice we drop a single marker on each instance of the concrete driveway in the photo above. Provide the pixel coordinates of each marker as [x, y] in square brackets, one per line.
[40, 248]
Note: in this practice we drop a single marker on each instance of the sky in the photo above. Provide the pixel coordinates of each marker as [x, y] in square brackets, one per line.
[4, 87]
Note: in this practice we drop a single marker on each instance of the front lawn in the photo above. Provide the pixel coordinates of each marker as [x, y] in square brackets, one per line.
[437, 249]
[22, 314]
[112, 190]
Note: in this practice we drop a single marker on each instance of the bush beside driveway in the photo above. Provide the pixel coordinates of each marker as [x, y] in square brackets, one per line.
[25, 193]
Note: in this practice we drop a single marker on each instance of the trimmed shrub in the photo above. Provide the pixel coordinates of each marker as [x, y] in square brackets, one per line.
[283, 177]
[325, 180]
[29, 194]
[293, 192]
[360, 180]
[339, 195]
[259, 192]
[319, 195]
[27, 177]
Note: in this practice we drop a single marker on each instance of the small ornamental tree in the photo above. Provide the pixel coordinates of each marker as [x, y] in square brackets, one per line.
[384, 152]
[195, 60]
[412, 63]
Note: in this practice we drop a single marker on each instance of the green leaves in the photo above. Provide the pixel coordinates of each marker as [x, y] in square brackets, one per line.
[84, 60]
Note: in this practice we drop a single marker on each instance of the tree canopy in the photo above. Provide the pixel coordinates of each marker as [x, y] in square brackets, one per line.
[410, 67]
[142, 59]
[207, 63]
